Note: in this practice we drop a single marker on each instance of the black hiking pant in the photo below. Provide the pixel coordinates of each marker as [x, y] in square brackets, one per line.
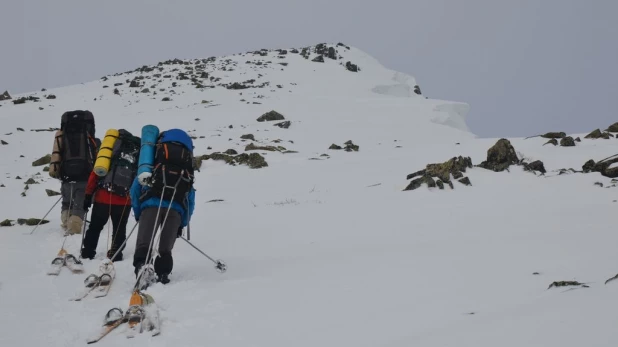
[98, 218]
[164, 263]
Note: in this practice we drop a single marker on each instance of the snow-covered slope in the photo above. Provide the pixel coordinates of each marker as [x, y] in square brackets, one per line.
[322, 246]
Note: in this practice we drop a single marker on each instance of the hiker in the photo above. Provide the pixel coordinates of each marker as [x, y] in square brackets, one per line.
[172, 165]
[73, 156]
[112, 197]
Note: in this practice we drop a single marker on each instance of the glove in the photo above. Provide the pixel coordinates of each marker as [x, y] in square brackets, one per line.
[179, 232]
[87, 202]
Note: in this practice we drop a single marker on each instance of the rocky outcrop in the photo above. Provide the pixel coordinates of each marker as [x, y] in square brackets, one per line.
[535, 166]
[439, 174]
[253, 160]
[270, 116]
[253, 147]
[606, 167]
[5, 96]
[500, 156]
[597, 134]
[551, 142]
[248, 137]
[283, 125]
[42, 161]
[554, 135]
[349, 146]
[612, 128]
[351, 67]
[567, 142]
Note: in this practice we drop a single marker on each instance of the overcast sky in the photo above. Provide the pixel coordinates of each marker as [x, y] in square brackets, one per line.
[524, 66]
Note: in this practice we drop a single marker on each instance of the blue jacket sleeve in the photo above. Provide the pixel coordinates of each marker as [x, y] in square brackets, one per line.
[191, 204]
[136, 192]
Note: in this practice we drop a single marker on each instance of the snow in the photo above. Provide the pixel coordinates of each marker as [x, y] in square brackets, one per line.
[326, 252]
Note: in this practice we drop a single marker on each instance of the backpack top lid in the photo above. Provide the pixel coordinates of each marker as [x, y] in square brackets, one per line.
[84, 118]
[177, 135]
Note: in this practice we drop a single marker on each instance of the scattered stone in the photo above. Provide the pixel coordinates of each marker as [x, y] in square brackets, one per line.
[351, 67]
[612, 128]
[554, 135]
[604, 167]
[50, 97]
[551, 142]
[271, 116]
[6, 223]
[42, 161]
[318, 59]
[5, 96]
[597, 134]
[31, 181]
[454, 166]
[500, 156]
[417, 90]
[598, 184]
[284, 125]
[253, 160]
[567, 142]
[23, 100]
[146, 90]
[20, 129]
[350, 146]
[31, 221]
[536, 273]
[17, 178]
[535, 166]
[51, 192]
[253, 147]
[3, 142]
[578, 140]
[335, 147]
[231, 152]
[566, 284]
[166, 99]
[248, 137]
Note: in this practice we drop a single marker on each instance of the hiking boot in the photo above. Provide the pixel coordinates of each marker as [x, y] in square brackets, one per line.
[86, 254]
[163, 278]
[74, 225]
[111, 253]
[64, 216]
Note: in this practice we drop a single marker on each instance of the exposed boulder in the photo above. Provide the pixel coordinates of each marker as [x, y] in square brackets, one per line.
[554, 135]
[248, 137]
[51, 192]
[597, 134]
[318, 59]
[551, 142]
[335, 147]
[612, 128]
[42, 161]
[352, 67]
[283, 125]
[350, 146]
[605, 167]
[253, 160]
[271, 116]
[31, 221]
[3, 142]
[535, 166]
[567, 142]
[417, 90]
[5, 96]
[454, 166]
[253, 147]
[500, 156]
[6, 223]
[231, 152]
[50, 97]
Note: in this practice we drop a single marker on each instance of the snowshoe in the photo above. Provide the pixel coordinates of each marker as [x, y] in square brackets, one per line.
[90, 283]
[56, 266]
[73, 263]
[112, 316]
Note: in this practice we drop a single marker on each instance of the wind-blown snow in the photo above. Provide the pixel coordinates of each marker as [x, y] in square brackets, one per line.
[325, 252]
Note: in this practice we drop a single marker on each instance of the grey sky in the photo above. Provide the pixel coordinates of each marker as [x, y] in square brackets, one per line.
[525, 67]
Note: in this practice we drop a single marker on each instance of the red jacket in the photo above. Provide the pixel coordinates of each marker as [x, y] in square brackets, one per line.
[102, 196]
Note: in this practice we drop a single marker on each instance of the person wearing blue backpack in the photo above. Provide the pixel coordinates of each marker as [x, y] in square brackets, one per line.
[166, 200]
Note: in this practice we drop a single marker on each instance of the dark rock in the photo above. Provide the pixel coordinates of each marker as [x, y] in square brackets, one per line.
[417, 183]
[551, 142]
[253, 160]
[271, 116]
[417, 90]
[554, 135]
[535, 166]
[500, 156]
[598, 184]
[332, 53]
[318, 59]
[6, 223]
[3, 142]
[42, 161]
[284, 125]
[116, 91]
[588, 166]
[231, 151]
[50, 97]
[5, 96]
[31, 181]
[334, 146]
[612, 128]
[166, 99]
[253, 147]
[567, 142]
[20, 129]
[46, 169]
[351, 67]
[578, 140]
[146, 90]
[566, 284]
[248, 137]
[597, 134]
[23, 100]
[51, 192]
[465, 181]
[134, 84]
[31, 221]
[350, 146]
[440, 184]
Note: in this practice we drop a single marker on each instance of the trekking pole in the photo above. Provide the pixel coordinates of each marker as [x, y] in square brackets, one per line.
[48, 212]
[219, 264]
[125, 241]
[83, 235]
[188, 231]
